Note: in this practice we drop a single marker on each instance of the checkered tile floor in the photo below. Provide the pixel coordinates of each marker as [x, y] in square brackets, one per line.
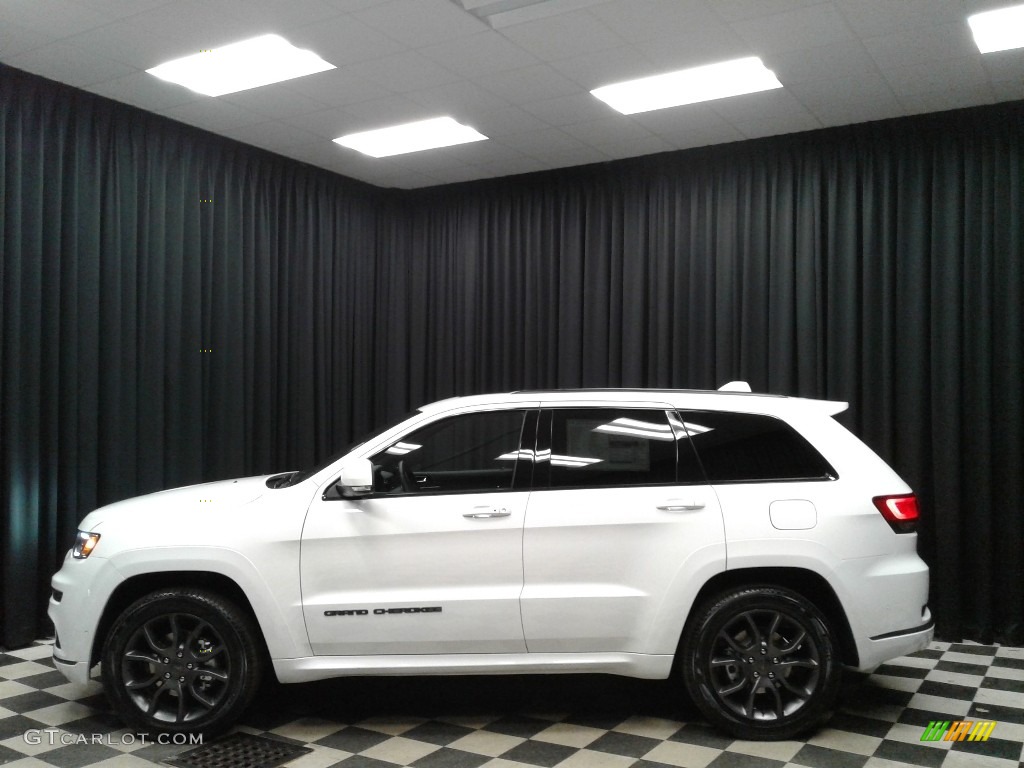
[526, 722]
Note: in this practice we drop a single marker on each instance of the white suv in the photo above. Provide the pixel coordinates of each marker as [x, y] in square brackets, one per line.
[748, 544]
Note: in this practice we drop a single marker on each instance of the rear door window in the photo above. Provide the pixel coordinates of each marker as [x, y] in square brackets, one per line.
[597, 447]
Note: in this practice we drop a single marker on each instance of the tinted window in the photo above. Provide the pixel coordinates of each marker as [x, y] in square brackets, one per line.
[741, 447]
[471, 452]
[603, 447]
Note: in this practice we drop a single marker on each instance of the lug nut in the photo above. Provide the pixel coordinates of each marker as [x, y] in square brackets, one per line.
[771, 675]
[775, 661]
[180, 654]
[167, 661]
[167, 675]
[190, 666]
[181, 679]
[764, 651]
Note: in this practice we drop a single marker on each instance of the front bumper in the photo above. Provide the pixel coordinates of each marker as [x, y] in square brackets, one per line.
[80, 591]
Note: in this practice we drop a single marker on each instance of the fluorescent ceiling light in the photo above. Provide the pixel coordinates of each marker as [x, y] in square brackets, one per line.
[411, 137]
[689, 86]
[999, 30]
[240, 66]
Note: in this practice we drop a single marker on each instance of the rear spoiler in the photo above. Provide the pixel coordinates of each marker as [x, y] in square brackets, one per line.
[831, 407]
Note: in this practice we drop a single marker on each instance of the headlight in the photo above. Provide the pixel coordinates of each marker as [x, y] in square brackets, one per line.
[85, 544]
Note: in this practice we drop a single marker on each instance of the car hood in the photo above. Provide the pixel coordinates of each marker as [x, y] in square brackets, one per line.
[205, 498]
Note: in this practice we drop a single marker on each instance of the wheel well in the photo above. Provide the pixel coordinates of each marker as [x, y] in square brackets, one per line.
[806, 583]
[138, 586]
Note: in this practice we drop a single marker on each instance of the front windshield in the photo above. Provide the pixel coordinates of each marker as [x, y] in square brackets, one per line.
[305, 474]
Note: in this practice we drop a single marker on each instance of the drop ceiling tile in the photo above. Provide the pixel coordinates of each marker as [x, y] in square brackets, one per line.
[456, 174]
[392, 110]
[734, 10]
[582, 154]
[842, 93]
[350, 6]
[328, 124]
[337, 87]
[274, 101]
[462, 100]
[567, 110]
[842, 59]
[421, 22]
[924, 44]
[817, 25]
[53, 17]
[507, 121]
[487, 152]
[402, 72]
[694, 125]
[213, 115]
[563, 36]
[640, 20]
[145, 91]
[137, 48]
[769, 104]
[648, 145]
[695, 48]
[344, 40]
[15, 39]
[871, 18]
[794, 122]
[1008, 90]
[273, 134]
[528, 84]
[194, 25]
[514, 167]
[479, 54]
[120, 9]
[545, 142]
[592, 70]
[948, 98]
[863, 99]
[69, 64]
[1004, 65]
[284, 16]
[608, 131]
[938, 75]
[430, 161]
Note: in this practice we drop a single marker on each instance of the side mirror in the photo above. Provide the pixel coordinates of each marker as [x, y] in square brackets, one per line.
[356, 478]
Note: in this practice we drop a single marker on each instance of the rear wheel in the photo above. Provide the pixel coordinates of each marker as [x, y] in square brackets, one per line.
[182, 660]
[760, 662]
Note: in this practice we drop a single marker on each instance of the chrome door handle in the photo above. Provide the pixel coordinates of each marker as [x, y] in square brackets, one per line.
[681, 505]
[483, 513]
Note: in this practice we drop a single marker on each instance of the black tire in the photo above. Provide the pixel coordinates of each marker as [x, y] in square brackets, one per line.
[182, 660]
[760, 662]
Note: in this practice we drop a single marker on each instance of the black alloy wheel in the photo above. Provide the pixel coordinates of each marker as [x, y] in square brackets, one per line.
[182, 660]
[760, 662]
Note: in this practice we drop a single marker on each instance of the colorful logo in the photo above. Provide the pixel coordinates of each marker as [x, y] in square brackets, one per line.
[958, 730]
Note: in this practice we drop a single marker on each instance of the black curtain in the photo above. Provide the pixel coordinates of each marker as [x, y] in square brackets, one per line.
[176, 307]
[879, 264]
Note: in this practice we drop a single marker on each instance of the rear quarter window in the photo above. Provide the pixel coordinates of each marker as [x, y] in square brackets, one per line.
[746, 448]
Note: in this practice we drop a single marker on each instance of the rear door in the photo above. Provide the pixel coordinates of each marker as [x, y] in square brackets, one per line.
[620, 520]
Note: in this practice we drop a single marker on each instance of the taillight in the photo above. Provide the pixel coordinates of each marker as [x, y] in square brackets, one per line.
[900, 512]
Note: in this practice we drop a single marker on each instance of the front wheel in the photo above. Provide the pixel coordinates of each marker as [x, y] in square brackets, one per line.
[760, 662]
[181, 660]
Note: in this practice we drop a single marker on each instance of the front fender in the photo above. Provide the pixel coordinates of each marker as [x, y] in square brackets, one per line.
[272, 588]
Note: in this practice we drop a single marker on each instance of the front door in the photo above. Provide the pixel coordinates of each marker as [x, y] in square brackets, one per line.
[431, 563]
